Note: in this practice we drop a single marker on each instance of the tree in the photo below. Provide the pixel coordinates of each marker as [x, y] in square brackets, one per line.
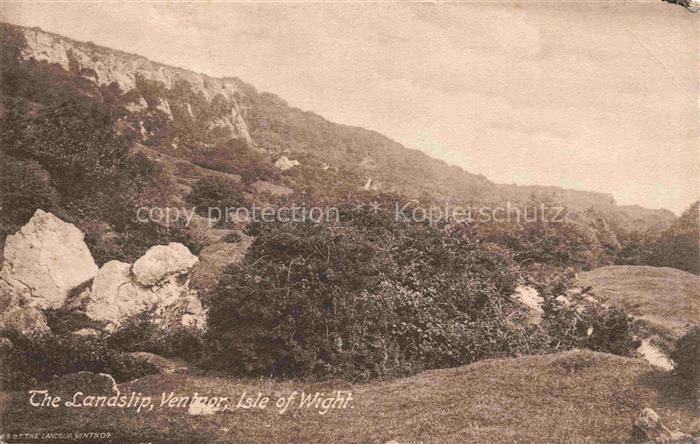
[679, 245]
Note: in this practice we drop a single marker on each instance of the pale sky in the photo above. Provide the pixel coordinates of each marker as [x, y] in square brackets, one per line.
[599, 96]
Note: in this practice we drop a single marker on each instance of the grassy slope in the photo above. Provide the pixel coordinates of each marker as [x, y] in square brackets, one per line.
[576, 396]
[666, 298]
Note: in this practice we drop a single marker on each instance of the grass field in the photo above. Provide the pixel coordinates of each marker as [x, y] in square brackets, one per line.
[577, 396]
[665, 299]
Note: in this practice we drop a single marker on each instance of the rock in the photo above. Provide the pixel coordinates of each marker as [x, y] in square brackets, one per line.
[164, 106]
[27, 321]
[283, 163]
[648, 425]
[530, 298]
[185, 311]
[87, 382]
[11, 299]
[563, 300]
[114, 296]
[44, 260]
[86, 332]
[161, 261]
[654, 356]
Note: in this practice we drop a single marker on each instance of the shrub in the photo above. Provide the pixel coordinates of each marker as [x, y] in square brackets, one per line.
[39, 359]
[139, 333]
[677, 246]
[234, 156]
[62, 321]
[582, 324]
[232, 238]
[686, 355]
[24, 187]
[217, 192]
[564, 243]
[366, 297]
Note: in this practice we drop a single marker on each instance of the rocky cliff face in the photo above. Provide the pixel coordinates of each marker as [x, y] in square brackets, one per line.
[181, 112]
[105, 66]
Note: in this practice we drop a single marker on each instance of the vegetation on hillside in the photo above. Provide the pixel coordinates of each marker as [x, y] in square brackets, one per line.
[370, 296]
[61, 152]
[366, 296]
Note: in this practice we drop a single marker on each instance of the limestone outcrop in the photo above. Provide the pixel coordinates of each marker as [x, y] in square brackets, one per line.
[157, 283]
[106, 66]
[43, 262]
[47, 265]
[162, 261]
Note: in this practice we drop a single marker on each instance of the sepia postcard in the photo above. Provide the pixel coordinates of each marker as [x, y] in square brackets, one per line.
[393, 222]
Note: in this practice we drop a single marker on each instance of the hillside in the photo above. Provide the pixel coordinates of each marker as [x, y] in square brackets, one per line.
[576, 396]
[661, 296]
[186, 115]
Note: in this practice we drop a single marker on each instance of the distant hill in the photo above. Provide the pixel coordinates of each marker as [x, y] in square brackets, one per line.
[181, 112]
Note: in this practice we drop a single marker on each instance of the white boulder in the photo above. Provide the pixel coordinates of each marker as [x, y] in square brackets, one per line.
[283, 163]
[158, 282]
[162, 261]
[530, 298]
[44, 260]
[114, 296]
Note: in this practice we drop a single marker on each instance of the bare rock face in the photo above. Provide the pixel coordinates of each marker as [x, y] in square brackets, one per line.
[48, 266]
[27, 321]
[43, 261]
[162, 261]
[108, 66]
[651, 430]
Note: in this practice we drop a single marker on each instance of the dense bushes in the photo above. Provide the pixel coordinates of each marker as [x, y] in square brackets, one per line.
[235, 157]
[60, 152]
[369, 296]
[686, 355]
[679, 245]
[545, 237]
[24, 187]
[597, 328]
[140, 333]
[676, 247]
[32, 361]
[217, 192]
[361, 299]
